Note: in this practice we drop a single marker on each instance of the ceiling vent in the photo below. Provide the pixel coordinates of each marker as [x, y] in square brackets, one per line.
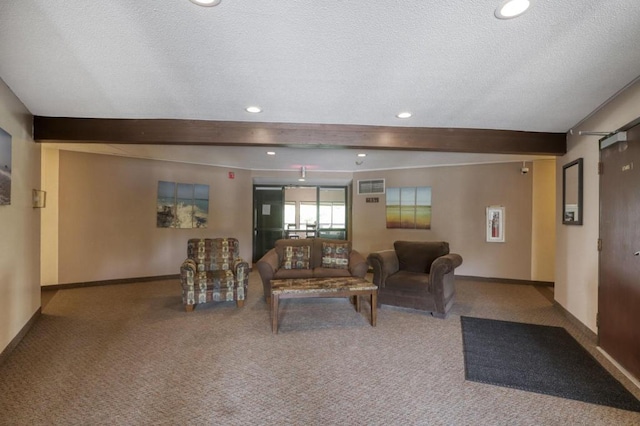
[371, 186]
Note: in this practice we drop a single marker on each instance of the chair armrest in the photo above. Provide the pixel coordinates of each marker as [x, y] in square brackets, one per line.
[358, 266]
[241, 270]
[384, 263]
[240, 264]
[442, 266]
[188, 271]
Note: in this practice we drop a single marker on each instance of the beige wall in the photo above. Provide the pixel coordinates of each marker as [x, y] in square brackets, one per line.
[460, 195]
[20, 223]
[107, 216]
[543, 229]
[49, 217]
[576, 249]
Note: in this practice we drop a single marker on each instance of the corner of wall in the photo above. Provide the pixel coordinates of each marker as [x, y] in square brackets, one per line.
[49, 217]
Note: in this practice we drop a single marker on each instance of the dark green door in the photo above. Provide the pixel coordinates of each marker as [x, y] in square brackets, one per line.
[268, 218]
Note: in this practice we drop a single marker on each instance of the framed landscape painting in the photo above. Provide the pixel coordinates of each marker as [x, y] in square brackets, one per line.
[5, 168]
[182, 205]
[409, 207]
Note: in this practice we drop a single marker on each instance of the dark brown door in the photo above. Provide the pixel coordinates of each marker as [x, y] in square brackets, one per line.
[268, 218]
[619, 287]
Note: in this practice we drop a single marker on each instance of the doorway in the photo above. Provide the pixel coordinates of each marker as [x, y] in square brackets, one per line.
[619, 285]
[289, 211]
[268, 216]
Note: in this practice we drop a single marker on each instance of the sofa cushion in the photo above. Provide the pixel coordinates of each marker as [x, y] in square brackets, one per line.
[335, 255]
[283, 274]
[296, 257]
[417, 256]
[283, 243]
[317, 253]
[407, 281]
[330, 272]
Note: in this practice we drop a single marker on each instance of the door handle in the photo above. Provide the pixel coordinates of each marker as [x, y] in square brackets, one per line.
[636, 253]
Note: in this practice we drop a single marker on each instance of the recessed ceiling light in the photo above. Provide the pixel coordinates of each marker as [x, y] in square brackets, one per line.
[206, 3]
[253, 109]
[271, 153]
[404, 114]
[511, 8]
[362, 155]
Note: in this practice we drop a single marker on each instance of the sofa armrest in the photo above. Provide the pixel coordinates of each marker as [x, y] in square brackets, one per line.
[358, 265]
[441, 267]
[267, 267]
[384, 263]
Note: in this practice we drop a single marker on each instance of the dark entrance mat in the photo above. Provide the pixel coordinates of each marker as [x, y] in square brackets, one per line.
[538, 358]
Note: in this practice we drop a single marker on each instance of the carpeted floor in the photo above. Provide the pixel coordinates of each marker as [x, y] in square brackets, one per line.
[538, 358]
[129, 355]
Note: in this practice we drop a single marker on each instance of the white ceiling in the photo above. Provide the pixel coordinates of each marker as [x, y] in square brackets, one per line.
[451, 63]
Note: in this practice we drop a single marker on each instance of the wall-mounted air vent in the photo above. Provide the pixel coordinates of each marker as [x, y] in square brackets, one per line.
[371, 186]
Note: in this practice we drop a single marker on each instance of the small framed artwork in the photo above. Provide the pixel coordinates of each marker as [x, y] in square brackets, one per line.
[5, 168]
[495, 224]
[39, 199]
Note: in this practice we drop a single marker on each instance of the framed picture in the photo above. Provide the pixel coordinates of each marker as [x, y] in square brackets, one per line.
[409, 207]
[495, 224]
[5, 168]
[39, 199]
[182, 205]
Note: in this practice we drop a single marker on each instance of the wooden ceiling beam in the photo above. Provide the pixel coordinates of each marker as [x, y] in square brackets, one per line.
[235, 133]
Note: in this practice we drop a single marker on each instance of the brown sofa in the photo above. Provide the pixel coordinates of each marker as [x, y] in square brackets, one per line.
[417, 275]
[310, 258]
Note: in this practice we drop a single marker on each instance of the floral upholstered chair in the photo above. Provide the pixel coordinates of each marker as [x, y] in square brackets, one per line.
[213, 272]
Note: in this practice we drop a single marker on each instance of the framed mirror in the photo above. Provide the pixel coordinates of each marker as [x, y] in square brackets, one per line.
[572, 193]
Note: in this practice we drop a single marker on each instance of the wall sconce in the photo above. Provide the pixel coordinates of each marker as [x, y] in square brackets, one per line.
[39, 198]
[303, 174]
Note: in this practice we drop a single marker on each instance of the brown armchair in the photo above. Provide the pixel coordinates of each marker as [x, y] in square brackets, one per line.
[417, 275]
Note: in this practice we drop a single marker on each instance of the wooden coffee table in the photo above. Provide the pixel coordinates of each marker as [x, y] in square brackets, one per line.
[322, 287]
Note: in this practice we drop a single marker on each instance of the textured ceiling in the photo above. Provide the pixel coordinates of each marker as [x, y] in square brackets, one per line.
[451, 63]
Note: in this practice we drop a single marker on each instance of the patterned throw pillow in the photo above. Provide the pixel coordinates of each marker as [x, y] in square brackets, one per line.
[296, 257]
[335, 255]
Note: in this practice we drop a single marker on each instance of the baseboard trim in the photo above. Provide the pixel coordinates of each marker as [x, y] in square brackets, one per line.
[586, 331]
[623, 370]
[505, 280]
[55, 287]
[16, 340]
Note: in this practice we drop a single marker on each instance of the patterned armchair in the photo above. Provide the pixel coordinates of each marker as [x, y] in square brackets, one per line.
[213, 272]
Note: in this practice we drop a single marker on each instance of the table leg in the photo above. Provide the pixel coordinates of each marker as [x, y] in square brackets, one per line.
[357, 297]
[274, 313]
[374, 308]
